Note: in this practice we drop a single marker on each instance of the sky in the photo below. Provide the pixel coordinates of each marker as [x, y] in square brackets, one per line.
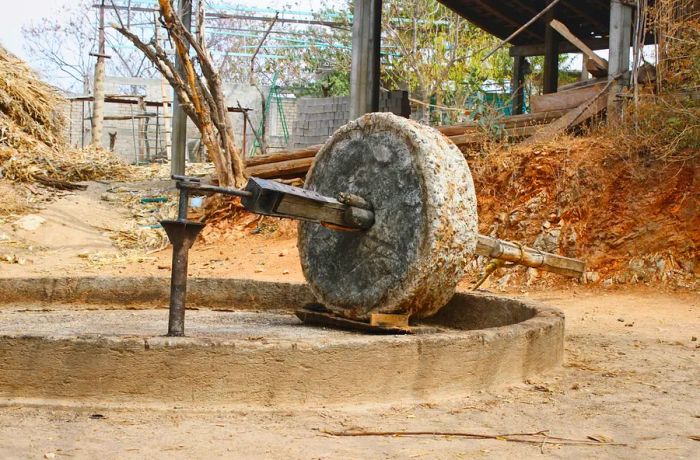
[18, 13]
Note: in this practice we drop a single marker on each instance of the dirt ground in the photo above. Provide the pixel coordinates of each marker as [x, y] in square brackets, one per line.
[631, 372]
[630, 375]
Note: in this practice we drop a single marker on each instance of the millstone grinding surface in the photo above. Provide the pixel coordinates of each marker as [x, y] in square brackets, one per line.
[412, 258]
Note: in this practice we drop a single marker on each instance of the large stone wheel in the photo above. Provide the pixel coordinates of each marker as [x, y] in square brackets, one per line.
[412, 258]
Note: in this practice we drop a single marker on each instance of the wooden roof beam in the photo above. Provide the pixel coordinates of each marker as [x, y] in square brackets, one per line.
[564, 47]
[507, 19]
[596, 22]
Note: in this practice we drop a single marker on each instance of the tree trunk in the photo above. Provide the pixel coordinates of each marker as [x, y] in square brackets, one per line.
[201, 96]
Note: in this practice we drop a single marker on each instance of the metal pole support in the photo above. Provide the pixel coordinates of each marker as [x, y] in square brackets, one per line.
[182, 233]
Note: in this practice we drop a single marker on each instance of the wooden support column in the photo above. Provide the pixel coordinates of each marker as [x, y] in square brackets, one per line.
[584, 67]
[518, 84]
[619, 58]
[99, 88]
[179, 134]
[551, 55]
[366, 44]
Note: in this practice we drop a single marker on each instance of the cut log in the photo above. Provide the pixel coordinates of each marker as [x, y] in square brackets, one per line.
[519, 254]
[564, 100]
[306, 152]
[281, 169]
[57, 183]
[580, 114]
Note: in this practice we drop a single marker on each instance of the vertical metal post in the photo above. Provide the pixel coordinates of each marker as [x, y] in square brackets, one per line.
[82, 124]
[182, 234]
[551, 55]
[244, 152]
[179, 134]
[366, 47]
[518, 84]
[619, 57]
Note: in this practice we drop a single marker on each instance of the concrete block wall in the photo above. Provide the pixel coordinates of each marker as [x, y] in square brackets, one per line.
[318, 118]
[73, 114]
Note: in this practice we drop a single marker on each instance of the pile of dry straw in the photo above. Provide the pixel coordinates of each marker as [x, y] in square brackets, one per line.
[32, 141]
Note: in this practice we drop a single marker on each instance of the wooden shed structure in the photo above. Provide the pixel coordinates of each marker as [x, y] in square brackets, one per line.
[599, 24]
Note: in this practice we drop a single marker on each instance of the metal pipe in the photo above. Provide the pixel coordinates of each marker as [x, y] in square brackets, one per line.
[204, 188]
[182, 234]
[182, 204]
[178, 290]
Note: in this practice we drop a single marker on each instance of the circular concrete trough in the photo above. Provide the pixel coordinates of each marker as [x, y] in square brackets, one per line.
[53, 350]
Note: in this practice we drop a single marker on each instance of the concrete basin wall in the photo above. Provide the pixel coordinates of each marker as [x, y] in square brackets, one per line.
[265, 359]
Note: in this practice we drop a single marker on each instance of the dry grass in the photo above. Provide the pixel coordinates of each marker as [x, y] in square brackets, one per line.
[663, 122]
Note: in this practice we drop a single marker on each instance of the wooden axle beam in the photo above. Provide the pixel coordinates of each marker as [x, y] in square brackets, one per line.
[353, 213]
[529, 257]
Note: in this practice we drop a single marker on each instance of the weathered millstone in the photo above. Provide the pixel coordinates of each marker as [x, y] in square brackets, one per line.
[422, 192]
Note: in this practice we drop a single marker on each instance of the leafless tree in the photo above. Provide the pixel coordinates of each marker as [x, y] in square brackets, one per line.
[198, 89]
[60, 45]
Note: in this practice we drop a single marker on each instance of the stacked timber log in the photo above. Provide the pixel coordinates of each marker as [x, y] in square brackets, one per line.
[295, 163]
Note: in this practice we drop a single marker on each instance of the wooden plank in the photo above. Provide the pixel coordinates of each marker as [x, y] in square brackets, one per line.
[317, 315]
[332, 213]
[582, 83]
[566, 33]
[388, 320]
[514, 121]
[469, 138]
[564, 100]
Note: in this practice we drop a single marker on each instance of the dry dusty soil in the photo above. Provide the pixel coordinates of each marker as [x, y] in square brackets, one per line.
[631, 377]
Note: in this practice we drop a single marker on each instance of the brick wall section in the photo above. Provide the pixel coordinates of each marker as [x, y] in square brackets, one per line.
[318, 118]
